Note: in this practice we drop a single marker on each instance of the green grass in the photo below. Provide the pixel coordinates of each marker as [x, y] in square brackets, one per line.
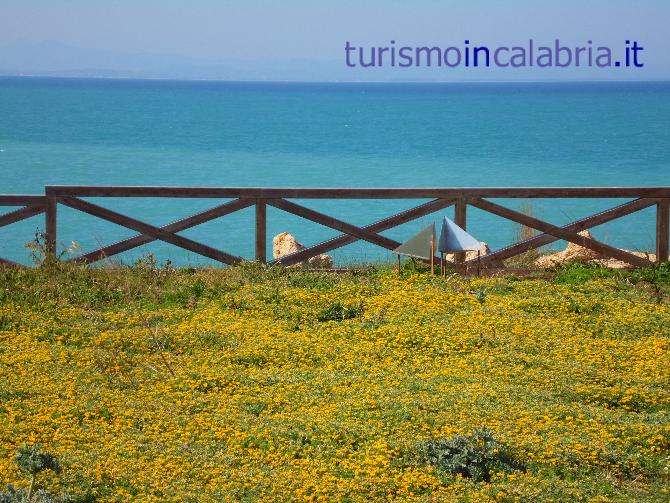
[355, 386]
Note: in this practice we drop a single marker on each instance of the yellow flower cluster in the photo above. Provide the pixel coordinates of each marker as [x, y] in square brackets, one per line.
[254, 396]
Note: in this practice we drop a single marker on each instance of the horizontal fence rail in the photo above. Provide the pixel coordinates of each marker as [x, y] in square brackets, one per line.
[358, 193]
[260, 198]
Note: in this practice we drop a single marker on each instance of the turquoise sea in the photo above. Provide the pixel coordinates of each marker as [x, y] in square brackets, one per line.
[124, 132]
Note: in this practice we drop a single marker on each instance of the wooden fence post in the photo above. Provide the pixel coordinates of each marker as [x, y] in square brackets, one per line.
[51, 233]
[460, 219]
[662, 230]
[261, 231]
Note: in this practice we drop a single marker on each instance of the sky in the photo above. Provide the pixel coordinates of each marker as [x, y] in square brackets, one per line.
[300, 39]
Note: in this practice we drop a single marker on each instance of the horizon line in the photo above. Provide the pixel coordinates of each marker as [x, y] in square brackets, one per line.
[278, 81]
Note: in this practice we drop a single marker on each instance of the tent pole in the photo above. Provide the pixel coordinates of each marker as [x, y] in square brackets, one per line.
[432, 256]
[479, 263]
[398, 263]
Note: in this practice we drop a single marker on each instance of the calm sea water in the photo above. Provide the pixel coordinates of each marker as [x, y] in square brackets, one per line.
[60, 131]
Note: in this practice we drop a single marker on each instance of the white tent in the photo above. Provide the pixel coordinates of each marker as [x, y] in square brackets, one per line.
[455, 239]
[422, 245]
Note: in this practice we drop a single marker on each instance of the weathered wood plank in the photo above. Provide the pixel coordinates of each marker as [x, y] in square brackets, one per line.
[662, 230]
[22, 214]
[8, 263]
[261, 231]
[592, 244]
[51, 232]
[460, 219]
[179, 225]
[358, 193]
[333, 223]
[150, 230]
[379, 226]
[21, 200]
[579, 225]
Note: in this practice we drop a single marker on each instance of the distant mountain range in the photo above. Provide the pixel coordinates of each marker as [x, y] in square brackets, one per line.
[55, 59]
[61, 60]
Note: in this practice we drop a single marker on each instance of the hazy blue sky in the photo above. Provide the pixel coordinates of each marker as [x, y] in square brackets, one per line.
[250, 32]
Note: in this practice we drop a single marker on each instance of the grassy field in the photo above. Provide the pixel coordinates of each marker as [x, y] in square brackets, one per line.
[252, 384]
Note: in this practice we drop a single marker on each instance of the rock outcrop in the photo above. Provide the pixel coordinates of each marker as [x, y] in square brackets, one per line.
[618, 264]
[469, 255]
[285, 244]
[572, 253]
[576, 253]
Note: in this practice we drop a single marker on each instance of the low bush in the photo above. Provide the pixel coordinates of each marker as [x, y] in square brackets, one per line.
[340, 312]
[476, 456]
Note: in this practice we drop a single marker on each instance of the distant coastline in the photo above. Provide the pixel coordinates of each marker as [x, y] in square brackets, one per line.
[102, 76]
[59, 60]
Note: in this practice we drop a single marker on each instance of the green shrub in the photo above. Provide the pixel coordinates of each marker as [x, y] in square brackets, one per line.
[32, 461]
[480, 295]
[655, 275]
[477, 456]
[339, 312]
[13, 495]
[576, 273]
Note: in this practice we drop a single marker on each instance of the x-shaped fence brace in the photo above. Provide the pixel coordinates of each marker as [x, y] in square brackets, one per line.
[568, 232]
[550, 234]
[31, 206]
[168, 233]
[352, 233]
[261, 198]
[150, 232]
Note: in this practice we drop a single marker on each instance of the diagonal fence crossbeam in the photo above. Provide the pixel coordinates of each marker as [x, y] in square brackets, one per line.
[333, 223]
[4, 261]
[178, 226]
[21, 214]
[559, 233]
[577, 226]
[32, 206]
[154, 232]
[376, 227]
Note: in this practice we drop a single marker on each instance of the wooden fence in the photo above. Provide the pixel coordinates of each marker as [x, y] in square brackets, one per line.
[437, 199]
[30, 206]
